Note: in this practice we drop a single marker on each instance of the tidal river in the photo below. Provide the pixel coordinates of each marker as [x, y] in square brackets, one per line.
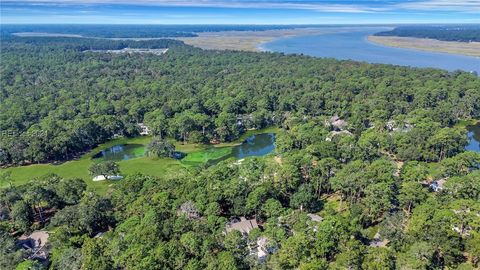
[353, 45]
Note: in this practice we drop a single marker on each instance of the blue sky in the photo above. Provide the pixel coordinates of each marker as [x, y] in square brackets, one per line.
[239, 11]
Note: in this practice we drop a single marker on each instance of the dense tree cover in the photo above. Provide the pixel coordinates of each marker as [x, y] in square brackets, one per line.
[57, 101]
[134, 31]
[179, 222]
[104, 169]
[365, 178]
[69, 43]
[463, 33]
[160, 148]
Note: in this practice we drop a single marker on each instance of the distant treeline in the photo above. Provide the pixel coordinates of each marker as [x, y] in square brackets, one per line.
[83, 44]
[462, 33]
[135, 31]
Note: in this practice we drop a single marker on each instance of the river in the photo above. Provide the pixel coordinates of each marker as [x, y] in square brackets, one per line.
[354, 45]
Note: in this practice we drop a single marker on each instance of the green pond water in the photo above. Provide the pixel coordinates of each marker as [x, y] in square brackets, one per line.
[256, 145]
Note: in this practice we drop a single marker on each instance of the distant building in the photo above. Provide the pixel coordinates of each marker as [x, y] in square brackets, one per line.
[337, 123]
[340, 124]
[315, 218]
[244, 226]
[132, 50]
[144, 129]
[437, 185]
[334, 133]
[36, 244]
[377, 241]
[392, 126]
[261, 249]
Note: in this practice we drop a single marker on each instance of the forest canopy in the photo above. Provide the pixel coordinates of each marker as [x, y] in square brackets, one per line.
[370, 169]
[133, 31]
[59, 100]
[462, 33]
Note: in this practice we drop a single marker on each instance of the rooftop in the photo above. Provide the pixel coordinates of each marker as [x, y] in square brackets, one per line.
[36, 243]
[243, 226]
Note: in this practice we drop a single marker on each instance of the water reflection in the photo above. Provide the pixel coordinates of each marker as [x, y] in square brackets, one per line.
[473, 138]
[121, 152]
[254, 146]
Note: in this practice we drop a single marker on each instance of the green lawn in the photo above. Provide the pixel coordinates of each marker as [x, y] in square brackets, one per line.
[200, 157]
[78, 168]
[197, 155]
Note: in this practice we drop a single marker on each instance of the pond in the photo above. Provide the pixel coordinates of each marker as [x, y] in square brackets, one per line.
[121, 152]
[256, 145]
[473, 138]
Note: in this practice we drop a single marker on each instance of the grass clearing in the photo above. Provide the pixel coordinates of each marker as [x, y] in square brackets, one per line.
[203, 156]
[431, 45]
[247, 40]
[466, 123]
[78, 168]
[197, 154]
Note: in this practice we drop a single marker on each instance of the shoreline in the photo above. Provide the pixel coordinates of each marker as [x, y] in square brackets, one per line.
[471, 49]
[252, 41]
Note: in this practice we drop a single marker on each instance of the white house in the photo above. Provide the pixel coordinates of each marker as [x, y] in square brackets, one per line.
[144, 129]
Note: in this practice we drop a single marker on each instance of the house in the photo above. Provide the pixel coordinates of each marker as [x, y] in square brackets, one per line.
[336, 123]
[243, 225]
[261, 249]
[437, 185]
[36, 244]
[144, 129]
[392, 126]
[340, 124]
[315, 218]
[334, 133]
[378, 242]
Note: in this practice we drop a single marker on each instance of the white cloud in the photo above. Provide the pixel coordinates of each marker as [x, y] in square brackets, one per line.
[319, 5]
[446, 5]
[326, 6]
